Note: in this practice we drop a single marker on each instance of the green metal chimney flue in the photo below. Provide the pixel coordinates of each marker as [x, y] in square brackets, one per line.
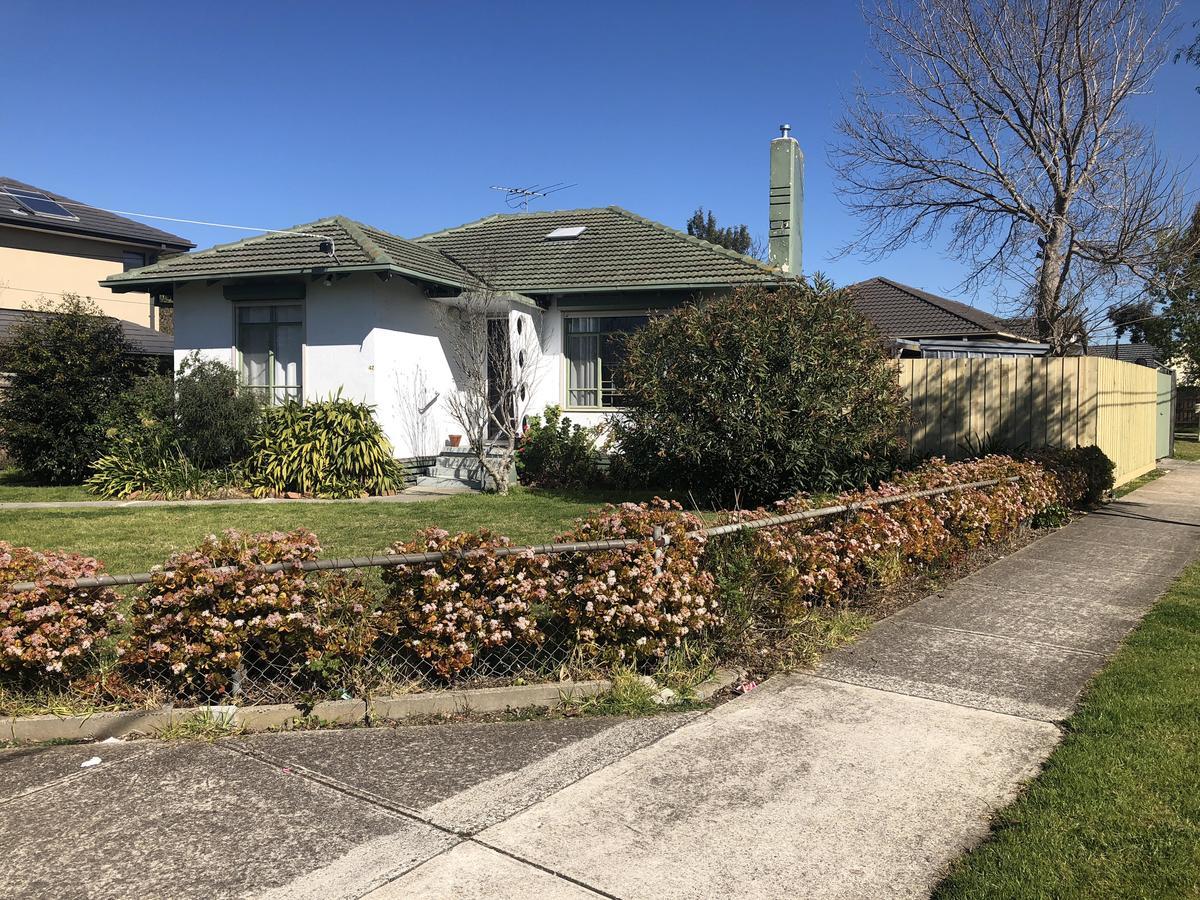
[786, 243]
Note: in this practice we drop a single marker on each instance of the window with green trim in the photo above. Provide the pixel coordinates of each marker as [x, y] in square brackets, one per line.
[595, 351]
[270, 341]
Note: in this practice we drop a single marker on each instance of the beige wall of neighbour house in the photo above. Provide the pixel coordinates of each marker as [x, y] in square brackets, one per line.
[34, 265]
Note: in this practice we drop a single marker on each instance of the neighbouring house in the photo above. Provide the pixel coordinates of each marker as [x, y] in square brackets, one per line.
[922, 325]
[339, 305]
[155, 346]
[51, 245]
[1141, 353]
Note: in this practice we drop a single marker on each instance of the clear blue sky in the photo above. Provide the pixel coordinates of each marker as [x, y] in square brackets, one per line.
[402, 114]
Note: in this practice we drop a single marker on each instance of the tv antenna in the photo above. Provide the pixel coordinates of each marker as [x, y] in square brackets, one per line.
[521, 197]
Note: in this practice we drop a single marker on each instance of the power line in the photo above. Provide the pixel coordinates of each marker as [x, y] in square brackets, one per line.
[324, 238]
[5, 287]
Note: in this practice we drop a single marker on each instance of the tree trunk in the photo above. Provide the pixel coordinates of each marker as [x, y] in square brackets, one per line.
[1048, 314]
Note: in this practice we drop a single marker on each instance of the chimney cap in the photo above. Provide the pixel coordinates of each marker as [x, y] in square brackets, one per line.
[785, 130]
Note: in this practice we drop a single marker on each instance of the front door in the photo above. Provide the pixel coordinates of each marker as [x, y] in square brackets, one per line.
[499, 376]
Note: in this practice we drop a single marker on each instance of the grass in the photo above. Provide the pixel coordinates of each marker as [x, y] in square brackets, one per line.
[1138, 482]
[16, 487]
[1116, 811]
[201, 727]
[132, 539]
[1187, 446]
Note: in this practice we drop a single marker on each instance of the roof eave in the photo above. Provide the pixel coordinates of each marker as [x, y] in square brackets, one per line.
[120, 285]
[45, 227]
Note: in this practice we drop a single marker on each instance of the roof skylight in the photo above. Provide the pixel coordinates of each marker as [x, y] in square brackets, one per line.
[39, 204]
[566, 233]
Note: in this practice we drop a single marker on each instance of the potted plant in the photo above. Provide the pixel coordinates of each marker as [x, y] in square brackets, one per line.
[455, 440]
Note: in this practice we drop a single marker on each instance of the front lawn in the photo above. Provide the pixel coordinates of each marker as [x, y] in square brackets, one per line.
[15, 487]
[131, 539]
[1116, 812]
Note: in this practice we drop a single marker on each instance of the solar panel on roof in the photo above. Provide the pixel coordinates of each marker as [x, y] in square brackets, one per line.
[39, 204]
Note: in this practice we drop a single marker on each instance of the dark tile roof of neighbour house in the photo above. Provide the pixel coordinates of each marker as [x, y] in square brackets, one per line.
[333, 244]
[1142, 353]
[604, 248]
[144, 340]
[88, 221]
[900, 311]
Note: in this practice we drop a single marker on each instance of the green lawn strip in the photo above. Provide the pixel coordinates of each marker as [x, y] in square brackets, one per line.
[132, 539]
[1187, 447]
[15, 487]
[1138, 482]
[1116, 811]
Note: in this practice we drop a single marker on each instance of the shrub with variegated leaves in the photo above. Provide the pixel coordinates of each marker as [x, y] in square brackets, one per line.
[449, 611]
[51, 629]
[630, 605]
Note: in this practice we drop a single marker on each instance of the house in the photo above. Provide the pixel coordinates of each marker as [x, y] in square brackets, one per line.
[340, 305]
[1141, 353]
[51, 245]
[145, 342]
[925, 326]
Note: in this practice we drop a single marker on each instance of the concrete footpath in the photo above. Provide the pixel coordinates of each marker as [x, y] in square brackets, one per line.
[863, 778]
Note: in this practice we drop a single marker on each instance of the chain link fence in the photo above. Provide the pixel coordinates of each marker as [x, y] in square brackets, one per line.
[388, 666]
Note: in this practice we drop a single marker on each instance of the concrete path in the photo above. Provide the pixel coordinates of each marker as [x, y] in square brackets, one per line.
[410, 495]
[861, 779]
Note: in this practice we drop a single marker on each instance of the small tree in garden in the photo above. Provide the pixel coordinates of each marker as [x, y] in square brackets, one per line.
[62, 373]
[759, 394]
[496, 355]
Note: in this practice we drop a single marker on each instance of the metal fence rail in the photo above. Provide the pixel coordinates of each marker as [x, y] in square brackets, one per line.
[405, 559]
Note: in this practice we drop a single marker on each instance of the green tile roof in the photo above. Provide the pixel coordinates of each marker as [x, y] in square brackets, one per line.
[356, 247]
[617, 250]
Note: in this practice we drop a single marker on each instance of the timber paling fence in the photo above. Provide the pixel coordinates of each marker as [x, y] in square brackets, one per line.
[390, 667]
[962, 405]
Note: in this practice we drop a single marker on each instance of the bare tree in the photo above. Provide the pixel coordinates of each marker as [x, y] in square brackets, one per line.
[493, 347]
[1005, 123]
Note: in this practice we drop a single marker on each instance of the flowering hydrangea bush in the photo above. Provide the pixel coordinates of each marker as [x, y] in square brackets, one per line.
[50, 629]
[192, 628]
[471, 600]
[628, 605]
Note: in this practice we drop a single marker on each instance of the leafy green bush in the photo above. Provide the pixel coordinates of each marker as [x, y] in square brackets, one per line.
[334, 448]
[556, 452]
[216, 421]
[1089, 466]
[63, 372]
[759, 394]
[149, 464]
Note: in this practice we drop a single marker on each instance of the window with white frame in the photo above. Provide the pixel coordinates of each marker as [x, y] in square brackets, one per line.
[270, 342]
[595, 351]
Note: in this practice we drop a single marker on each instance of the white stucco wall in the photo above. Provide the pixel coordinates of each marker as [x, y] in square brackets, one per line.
[377, 342]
